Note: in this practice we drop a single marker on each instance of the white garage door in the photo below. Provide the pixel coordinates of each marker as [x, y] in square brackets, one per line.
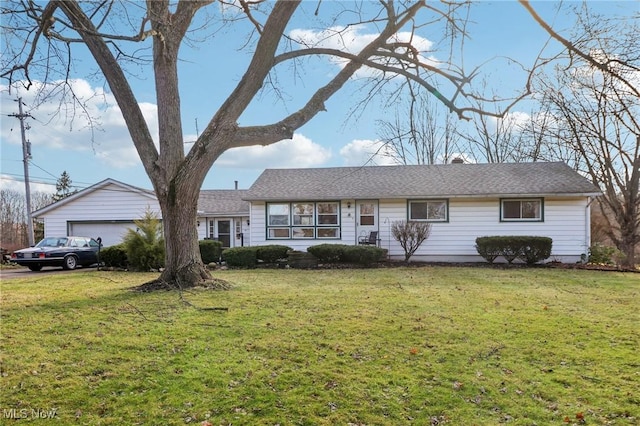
[110, 232]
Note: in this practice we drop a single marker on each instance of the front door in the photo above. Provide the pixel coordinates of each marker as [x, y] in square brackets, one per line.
[367, 217]
[224, 232]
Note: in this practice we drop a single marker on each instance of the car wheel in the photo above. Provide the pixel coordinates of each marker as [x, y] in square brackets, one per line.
[70, 262]
[35, 268]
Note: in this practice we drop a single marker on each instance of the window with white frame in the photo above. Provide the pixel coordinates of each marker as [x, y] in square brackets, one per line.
[303, 220]
[429, 210]
[524, 209]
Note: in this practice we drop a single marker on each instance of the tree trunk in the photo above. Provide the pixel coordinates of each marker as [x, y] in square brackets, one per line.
[183, 264]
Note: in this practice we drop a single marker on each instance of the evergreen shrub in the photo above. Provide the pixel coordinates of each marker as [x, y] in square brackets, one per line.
[529, 249]
[210, 251]
[328, 253]
[272, 253]
[114, 256]
[241, 257]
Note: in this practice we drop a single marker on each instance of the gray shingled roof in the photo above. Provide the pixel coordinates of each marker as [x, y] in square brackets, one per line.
[443, 180]
[222, 202]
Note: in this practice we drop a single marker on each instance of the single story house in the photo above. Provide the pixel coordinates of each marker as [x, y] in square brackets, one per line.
[304, 207]
[340, 205]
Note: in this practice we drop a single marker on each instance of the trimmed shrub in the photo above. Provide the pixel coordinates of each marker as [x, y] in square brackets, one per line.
[241, 257]
[363, 255]
[328, 253]
[489, 248]
[529, 249]
[535, 249]
[210, 251]
[272, 253]
[114, 256]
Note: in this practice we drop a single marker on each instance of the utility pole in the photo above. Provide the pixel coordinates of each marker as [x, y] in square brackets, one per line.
[26, 155]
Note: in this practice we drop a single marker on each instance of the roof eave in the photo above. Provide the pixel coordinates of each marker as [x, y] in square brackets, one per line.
[224, 214]
[417, 196]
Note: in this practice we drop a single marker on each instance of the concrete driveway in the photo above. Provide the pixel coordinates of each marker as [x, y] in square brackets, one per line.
[7, 274]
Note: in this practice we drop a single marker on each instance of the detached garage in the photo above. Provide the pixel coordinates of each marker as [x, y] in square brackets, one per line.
[106, 210]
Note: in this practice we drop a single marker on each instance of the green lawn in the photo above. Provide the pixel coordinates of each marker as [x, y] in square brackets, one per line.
[430, 345]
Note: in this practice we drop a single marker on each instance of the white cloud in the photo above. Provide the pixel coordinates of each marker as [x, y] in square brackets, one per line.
[12, 184]
[99, 127]
[513, 121]
[353, 39]
[297, 152]
[362, 151]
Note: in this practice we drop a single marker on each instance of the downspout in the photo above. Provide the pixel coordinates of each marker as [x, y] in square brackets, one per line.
[587, 233]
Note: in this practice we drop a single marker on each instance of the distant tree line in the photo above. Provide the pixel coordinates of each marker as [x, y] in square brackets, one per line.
[13, 212]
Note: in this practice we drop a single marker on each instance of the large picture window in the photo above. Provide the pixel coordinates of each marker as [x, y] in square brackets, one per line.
[525, 209]
[303, 220]
[429, 210]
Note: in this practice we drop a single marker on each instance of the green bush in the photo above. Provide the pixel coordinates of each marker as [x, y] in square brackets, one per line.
[210, 251]
[535, 249]
[241, 257]
[272, 253]
[114, 256]
[336, 253]
[602, 255]
[489, 248]
[328, 253]
[301, 259]
[529, 249]
[145, 246]
[363, 255]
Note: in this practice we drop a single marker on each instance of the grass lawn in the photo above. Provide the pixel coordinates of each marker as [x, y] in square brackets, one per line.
[423, 346]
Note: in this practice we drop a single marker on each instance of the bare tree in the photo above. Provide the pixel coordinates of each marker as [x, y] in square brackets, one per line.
[497, 140]
[13, 216]
[420, 132]
[590, 119]
[47, 35]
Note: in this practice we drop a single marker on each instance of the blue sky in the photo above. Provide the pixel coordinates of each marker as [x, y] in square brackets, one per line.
[209, 72]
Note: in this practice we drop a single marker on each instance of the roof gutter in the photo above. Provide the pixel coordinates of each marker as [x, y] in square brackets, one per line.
[421, 196]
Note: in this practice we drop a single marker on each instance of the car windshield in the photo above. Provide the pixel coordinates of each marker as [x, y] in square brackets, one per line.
[52, 242]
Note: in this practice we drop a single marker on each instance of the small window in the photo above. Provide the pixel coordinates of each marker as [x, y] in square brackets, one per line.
[328, 232]
[327, 214]
[429, 210]
[278, 214]
[278, 232]
[303, 214]
[521, 210]
[367, 214]
[303, 232]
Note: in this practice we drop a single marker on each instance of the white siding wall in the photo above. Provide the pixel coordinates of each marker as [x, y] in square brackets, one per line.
[565, 221]
[111, 203]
